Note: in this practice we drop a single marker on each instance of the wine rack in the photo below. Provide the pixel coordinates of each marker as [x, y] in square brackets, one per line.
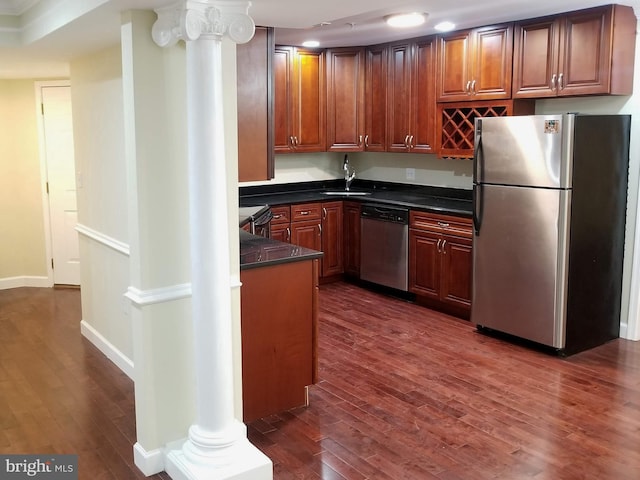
[456, 123]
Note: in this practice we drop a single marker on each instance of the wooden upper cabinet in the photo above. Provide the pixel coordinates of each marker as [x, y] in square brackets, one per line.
[581, 53]
[475, 64]
[375, 132]
[410, 97]
[345, 99]
[299, 100]
[255, 107]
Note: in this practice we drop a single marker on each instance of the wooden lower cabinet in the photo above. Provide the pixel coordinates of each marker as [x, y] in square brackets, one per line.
[440, 261]
[319, 226]
[281, 223]
[279, 338]
[332, 247]
[351, 238]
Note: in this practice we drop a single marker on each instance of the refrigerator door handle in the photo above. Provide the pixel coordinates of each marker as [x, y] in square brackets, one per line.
[477, 152]
[477, 208]
[477, 185]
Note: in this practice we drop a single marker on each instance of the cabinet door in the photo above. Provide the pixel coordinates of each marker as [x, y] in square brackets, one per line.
[535, 58]
[345, 99]
[281, 232]
[456, 266]
[282, 99]
[454, 77]
[375, 136]
[332, 224]
[255, 112]
[423, 104]
[424, 264]
[399, 97]
[491, 63]
[351, 235]
[306, 234]
[309, 101]
[584, 58]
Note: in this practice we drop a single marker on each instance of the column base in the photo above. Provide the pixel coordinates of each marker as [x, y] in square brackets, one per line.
[247, 463]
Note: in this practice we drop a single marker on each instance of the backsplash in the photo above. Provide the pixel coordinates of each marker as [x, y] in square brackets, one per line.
[388, 167]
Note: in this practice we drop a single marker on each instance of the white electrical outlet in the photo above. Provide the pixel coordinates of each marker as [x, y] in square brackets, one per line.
[411, 173]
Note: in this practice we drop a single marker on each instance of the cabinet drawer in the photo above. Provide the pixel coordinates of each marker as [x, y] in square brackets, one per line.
[306, 211]
[281, 214]
[434, 222]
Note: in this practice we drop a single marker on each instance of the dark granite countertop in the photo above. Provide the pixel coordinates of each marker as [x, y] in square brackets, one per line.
[437, 199]
[258, 251]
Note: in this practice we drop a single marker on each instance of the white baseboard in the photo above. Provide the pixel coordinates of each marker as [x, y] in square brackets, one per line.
[17, 282]
[123, 362]
[148, 463]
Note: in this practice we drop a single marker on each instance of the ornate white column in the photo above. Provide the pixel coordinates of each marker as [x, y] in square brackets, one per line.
[217, 445]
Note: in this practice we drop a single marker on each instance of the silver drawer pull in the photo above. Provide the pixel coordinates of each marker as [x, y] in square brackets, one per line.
[443, 224]
[305, 212]
[276, 217]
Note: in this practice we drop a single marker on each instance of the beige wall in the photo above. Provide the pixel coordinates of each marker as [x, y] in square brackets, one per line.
[22, 238]
[96, 95]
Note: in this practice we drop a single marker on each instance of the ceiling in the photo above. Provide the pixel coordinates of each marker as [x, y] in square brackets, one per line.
[38, 38]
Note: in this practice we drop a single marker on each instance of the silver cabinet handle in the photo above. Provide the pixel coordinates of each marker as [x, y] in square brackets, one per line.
[561, 81]
[366, 141]
[473, 87]
[444, 250]
[319, 229]
[443, 224]
[553, 81]
[324, 213]
[360, 140]
[276, 217]
[411, 142]
[288, 234]
[292, 142]
[406, 141]
[468, 87]
[305, 212]
[438, 245]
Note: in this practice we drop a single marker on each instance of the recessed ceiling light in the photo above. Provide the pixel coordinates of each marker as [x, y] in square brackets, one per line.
[403, 20]
[445, 26]
[311, 43]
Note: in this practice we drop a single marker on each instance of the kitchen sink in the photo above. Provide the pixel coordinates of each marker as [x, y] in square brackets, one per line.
[346, 194]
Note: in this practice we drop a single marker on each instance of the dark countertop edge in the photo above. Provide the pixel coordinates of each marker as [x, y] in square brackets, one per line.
[249, 241]
[442, 200]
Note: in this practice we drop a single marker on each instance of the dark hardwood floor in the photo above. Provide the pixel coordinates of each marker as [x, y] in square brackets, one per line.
[404, 393]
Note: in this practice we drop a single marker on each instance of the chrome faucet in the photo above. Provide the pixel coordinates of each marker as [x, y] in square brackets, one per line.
[349, 175]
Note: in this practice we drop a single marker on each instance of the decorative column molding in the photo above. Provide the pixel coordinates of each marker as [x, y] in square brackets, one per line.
[217, 446]
[190, 19]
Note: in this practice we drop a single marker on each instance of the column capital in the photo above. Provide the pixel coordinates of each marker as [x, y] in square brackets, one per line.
[188, 20]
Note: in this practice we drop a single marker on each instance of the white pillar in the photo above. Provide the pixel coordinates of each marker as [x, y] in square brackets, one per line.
[217, 445]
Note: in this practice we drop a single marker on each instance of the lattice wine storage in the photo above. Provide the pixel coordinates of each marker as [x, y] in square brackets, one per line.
[456, 123]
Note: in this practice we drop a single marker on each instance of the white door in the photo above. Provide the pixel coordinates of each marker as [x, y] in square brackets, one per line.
[61, 183]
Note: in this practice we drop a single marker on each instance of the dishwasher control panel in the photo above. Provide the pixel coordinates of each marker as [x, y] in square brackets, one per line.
[385, 213]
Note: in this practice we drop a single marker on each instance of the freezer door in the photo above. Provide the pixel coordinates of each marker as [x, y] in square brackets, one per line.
[534, 150]
[519, 269]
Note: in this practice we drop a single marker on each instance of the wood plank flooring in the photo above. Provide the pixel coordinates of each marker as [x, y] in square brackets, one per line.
[404, 393]
[58, 393]
[407, 393]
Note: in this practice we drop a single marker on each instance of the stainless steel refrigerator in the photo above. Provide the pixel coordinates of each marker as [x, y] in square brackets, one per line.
[549, 206]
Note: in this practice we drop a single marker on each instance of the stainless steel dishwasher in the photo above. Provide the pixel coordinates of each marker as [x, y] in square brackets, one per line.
[384, 245]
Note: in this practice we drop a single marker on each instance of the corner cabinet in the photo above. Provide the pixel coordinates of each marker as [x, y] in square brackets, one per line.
[299, 100]
[440, 260]
[410, 95]
[475, 64]
[587, 52]
[255, 108]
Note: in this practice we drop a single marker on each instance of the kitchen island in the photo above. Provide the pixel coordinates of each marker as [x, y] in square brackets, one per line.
[279, 310]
